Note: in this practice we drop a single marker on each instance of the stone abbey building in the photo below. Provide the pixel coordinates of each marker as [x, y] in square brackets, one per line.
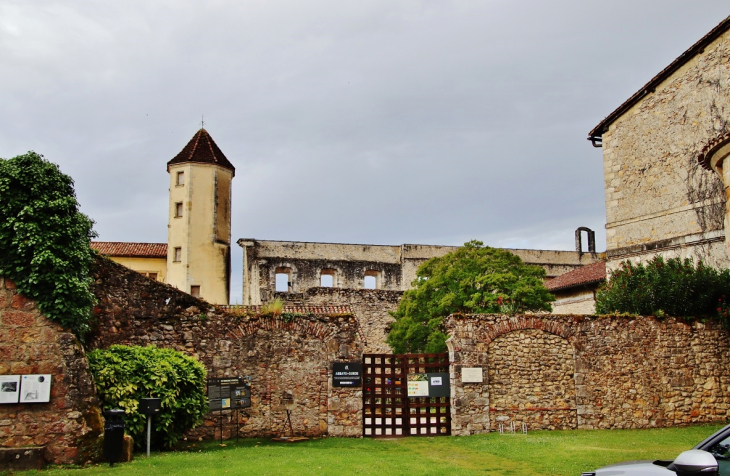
[196, 259]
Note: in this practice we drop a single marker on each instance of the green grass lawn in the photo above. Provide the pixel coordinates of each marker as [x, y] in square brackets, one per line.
[539, 452]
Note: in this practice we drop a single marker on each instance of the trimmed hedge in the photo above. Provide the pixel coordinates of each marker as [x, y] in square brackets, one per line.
[674, 287]
[124, 374]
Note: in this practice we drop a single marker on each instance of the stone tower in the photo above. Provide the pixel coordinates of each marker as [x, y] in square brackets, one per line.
[199, 224]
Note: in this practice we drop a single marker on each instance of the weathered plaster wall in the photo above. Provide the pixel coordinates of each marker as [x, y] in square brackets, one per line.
[657, 195]
[587, 372]
[281, 354]
[574, 301]
[395, 265]
[370, 306]
[69, 426]
[202, 231]
[144, 265]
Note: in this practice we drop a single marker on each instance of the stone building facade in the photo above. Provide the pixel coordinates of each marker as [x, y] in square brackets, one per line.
[67, 429]
[660, 199]
[294, 267]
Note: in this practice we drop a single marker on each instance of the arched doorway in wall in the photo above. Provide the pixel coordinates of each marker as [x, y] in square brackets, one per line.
[531, 380]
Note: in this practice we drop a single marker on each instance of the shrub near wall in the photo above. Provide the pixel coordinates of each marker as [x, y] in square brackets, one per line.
[125, 374]
[673, 287]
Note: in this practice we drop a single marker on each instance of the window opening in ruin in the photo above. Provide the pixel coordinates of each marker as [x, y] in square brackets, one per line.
[327, 278]
[180, 178]
[177, 254]
[372, 279]
[151, 275]
[195, 291]
[282, 282]
[178, 209]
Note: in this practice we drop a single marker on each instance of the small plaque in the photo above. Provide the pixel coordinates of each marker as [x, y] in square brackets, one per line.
[472, 375]
[35, 388]
[9, 388]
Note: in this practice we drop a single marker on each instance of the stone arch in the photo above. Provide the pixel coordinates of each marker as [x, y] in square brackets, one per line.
[490, 332]
[531, 380]
[714, 152]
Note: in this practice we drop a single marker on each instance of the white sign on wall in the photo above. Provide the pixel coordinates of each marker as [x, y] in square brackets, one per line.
[472, 375]
[9, 388]
[35, 388]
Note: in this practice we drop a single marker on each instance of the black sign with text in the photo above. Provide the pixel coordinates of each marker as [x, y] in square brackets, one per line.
[229, 393]
[346, 374]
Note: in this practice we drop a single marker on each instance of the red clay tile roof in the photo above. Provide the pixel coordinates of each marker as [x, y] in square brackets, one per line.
[202, 149]
[138, 250]
[588, 274]
[649, 87]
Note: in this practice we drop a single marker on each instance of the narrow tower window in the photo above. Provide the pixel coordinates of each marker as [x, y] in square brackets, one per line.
[180, 178]
[177, 254]
[195, 291]
[178, 209]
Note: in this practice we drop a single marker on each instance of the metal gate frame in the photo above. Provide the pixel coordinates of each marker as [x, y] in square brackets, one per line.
[387, 411]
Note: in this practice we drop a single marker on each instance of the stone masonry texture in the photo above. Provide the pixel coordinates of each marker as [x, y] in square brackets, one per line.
[69, 426]
[370, 306]
[658, 198]
[288, 355]
[587, 372]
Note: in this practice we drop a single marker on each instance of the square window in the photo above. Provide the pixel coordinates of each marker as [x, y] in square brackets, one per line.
[180, 178]
[178, 209]
[152, 276]
[195, 291]
[177, 254]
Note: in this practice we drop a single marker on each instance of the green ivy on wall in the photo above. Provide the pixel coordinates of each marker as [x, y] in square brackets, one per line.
[44, 239]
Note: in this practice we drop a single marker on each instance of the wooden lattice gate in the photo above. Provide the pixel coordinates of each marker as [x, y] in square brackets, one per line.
[387, 409]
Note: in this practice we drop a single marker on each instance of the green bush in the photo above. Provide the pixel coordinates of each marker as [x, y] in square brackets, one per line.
[471, 279]
[674, 287]
[124, 374]
[44, 239]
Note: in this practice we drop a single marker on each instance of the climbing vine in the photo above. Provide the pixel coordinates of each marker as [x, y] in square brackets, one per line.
[45, 240]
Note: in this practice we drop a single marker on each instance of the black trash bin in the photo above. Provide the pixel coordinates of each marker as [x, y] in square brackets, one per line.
[113, 435]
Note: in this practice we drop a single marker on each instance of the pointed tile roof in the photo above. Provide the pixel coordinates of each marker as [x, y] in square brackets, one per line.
[202, 149]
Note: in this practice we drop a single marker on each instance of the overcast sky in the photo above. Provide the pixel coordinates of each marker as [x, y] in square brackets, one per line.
[382, 122]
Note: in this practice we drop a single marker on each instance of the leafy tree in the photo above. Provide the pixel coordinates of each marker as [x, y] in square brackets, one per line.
[473, 279]
[44, 239]
[673, 287]
[124, 374]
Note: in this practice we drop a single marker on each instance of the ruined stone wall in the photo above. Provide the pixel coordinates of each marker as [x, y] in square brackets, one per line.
[69, 426]
[587, 372]
[370, 306]
[289, 353]
[657, 196]
[393, 266]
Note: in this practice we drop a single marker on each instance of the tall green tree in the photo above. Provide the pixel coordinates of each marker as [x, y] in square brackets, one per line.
[44, 239]
[473, 279]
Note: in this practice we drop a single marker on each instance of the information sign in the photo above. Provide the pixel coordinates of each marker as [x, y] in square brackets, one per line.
[9, 388]
[35, 388]
[229, 393]
[429, 385]
[346, 374]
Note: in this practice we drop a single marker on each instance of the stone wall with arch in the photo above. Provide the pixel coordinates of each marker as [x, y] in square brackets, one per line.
[587, 372]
